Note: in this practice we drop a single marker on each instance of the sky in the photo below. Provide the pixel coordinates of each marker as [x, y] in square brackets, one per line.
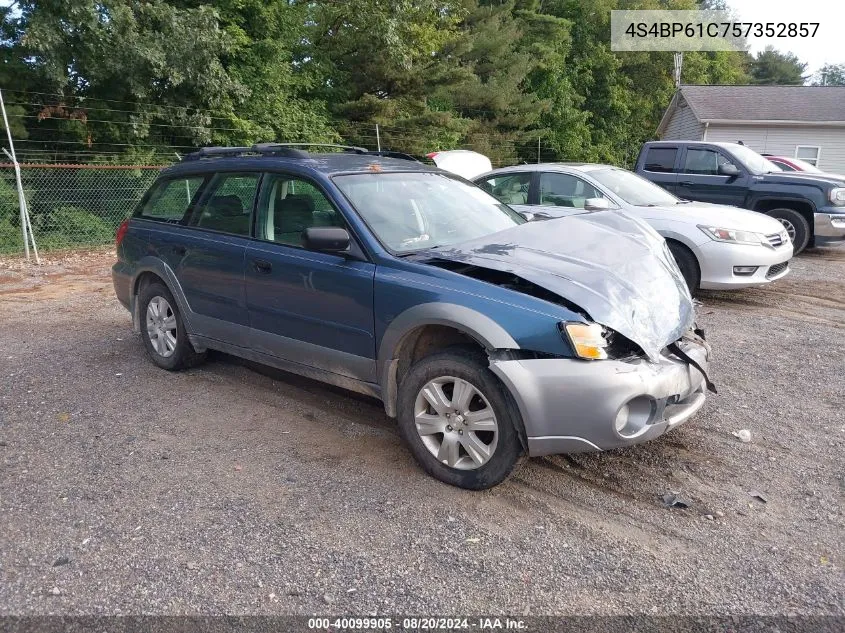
[828, 46]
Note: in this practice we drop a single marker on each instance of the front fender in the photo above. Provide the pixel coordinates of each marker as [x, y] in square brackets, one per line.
[478, 326]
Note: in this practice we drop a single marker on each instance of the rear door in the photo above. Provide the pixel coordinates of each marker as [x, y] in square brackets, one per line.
[699, 177]
[211, 264]
[659, 166]
[308, 307]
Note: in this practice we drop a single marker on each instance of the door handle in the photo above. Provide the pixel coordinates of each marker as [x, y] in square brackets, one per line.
[686, 183]
[180, 250]
[262, 266]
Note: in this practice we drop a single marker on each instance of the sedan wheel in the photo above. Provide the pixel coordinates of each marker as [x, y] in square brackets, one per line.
[161, 326]
[456, 423]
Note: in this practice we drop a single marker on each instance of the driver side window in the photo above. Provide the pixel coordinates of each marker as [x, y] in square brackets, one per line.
[288, 205]
[704, 162]
[565, 190]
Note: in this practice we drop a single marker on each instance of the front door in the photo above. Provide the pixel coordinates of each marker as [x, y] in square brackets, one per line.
[307, 307]
[700, 178]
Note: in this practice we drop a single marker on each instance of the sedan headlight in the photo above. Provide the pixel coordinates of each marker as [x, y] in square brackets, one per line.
[733, 236]
[587, 340]
[837, 196]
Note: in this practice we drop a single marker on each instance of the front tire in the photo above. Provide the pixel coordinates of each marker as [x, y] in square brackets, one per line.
[688, 265]
[796, 225]
[458, 421]
[163, 331]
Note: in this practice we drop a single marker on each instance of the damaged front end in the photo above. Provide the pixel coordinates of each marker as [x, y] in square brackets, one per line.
[607, 267]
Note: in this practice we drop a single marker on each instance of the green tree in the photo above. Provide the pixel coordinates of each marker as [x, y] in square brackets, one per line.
[773, 67]
[830, 75]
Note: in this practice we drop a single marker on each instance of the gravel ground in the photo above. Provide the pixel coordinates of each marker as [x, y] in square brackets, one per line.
[237, 489]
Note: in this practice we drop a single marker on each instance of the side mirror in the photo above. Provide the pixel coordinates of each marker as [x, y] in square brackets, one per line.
[329, 239]
[597, 204]
[527, 215]
[728, 169]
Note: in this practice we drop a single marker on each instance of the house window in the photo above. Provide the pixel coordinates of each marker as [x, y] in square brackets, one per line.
[808, 153]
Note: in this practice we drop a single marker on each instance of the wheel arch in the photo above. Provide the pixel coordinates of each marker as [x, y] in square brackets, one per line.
[426, 328]
[804, 207]
[149, 270]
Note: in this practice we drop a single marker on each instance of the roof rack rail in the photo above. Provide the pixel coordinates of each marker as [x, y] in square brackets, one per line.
[389, 153]
[258, 148]
[347, 148]
[288, 150]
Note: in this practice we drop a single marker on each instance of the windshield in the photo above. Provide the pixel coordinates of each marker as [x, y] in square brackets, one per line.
[755, 163]
[633, 189]
[410, 211]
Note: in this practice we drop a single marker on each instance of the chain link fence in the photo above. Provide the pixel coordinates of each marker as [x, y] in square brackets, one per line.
[70, 206]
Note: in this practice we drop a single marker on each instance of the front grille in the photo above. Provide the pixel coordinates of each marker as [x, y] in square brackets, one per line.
[776, 270]
[775, 240]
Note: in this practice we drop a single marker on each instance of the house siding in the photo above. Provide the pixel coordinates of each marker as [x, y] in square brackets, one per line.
[683, 126]
[783, 141]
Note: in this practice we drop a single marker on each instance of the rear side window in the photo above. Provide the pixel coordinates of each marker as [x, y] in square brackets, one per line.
[227, 207]
[170, 199]
[661, 159]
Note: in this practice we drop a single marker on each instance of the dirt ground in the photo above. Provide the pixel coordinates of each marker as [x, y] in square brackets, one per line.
[233, 488]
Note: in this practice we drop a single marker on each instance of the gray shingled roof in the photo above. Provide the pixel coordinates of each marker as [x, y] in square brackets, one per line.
[767, 103]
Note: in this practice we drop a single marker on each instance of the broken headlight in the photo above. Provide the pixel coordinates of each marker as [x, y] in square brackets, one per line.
[587, 340]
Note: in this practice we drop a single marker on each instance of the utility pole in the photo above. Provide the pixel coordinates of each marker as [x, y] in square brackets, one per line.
[676, 75]
[26, 227]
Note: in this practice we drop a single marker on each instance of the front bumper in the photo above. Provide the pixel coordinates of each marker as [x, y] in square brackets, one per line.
[829, 228]
[717, 261]
[571, 406]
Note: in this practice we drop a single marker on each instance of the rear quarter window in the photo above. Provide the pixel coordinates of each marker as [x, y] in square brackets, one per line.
[170, 199]
[660, 159]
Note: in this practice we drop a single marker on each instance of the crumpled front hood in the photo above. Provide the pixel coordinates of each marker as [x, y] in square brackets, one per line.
[613, 266]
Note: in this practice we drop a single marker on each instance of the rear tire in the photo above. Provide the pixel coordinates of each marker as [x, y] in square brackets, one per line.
[796, 225]
[457, 420]
[163, 331]
[688, 264]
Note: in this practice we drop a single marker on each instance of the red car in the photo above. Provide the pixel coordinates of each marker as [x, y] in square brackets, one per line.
[796, 164]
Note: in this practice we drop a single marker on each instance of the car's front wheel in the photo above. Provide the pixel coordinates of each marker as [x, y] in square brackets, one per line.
[687, 264]
[163, 330]
[458, 421]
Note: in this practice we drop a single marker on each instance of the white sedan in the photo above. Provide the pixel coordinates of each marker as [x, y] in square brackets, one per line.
[716, 246]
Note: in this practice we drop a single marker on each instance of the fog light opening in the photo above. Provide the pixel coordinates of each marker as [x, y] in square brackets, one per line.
[622, 418]
[634, 416]
[745, 270]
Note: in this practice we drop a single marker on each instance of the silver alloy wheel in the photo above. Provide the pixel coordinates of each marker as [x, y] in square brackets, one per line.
[456, 423]
[790, 228]
[161, 326]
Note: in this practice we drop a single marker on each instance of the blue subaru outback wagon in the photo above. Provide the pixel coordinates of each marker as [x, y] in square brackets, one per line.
[486, 336]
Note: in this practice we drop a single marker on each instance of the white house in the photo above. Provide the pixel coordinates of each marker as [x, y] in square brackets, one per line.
[806, 122]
